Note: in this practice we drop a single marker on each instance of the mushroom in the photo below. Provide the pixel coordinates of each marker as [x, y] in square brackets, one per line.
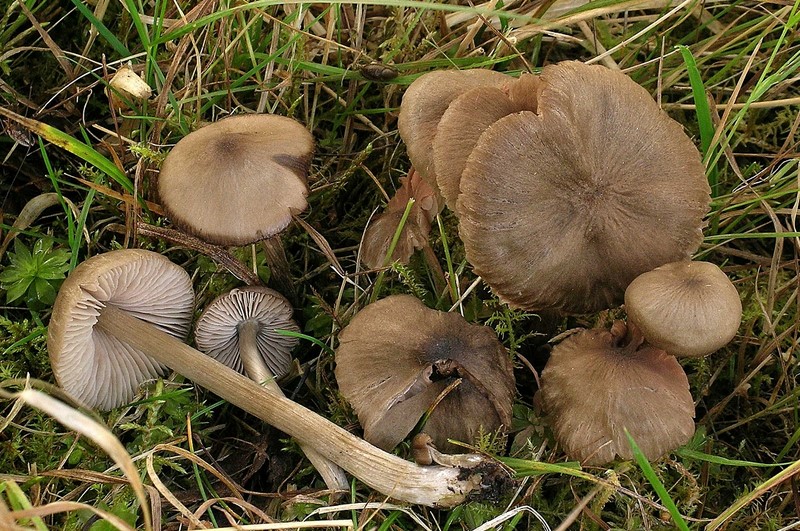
[239, 181]
[424, 103]
[599, 383]
[100, 368]
[380, 232]
[240, 329]
[397, 357]
[466, 118]
[561, 209]
[686, 308]
[435, 486]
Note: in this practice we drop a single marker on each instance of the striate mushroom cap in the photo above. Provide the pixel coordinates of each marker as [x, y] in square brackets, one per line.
[466, 118]
[424, 103]
[217, 330]
[686, 308]
[397, 356]
[593, 389]
[91, 365]
[563, 208]
[238, 180]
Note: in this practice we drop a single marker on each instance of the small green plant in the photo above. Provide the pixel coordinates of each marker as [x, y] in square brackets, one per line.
[34, 274]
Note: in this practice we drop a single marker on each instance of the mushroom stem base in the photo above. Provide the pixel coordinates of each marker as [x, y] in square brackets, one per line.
[433, 486]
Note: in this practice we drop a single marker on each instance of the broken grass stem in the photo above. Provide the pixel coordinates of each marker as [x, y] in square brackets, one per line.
[433, 486]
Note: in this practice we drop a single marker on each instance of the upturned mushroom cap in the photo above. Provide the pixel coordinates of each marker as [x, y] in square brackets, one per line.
[238, 180]
[593, 389]
[686, 308]
[424, 103]
[397, 356]
[466, 118]
[217, 330]
[562, 209]
[93, 366]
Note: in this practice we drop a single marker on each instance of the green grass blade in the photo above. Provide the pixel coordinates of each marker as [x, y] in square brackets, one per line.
[20, 502]
[694, 455]
[101, 28]
[703, 114]
[651, 476]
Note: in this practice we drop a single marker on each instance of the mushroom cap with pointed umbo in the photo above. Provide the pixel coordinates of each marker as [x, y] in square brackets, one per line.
[97, 368]
[238, 180]
[397, 356]
[561, 209]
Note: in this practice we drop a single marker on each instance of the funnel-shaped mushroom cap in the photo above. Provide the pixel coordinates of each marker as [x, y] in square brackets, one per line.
[686, 308]
[564, 208]
[217, 330]
[238, 180]
[397, 356]
[467, 118]
[593, 389]
[424, 103]
[93, 366]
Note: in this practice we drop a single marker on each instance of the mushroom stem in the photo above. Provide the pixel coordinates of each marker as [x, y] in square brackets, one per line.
[257, 370]
[433, 486]
[280, 274]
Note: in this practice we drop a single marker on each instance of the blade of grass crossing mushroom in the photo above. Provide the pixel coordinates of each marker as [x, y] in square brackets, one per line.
[433, 486]
[90, 428]
[379, 280]
[651, 476]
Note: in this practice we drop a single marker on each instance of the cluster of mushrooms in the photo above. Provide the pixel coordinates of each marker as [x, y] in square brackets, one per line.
[574, 191]
[553, 216]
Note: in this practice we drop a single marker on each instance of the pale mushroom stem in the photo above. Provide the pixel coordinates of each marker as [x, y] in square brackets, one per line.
[433, 486]
[256, 369]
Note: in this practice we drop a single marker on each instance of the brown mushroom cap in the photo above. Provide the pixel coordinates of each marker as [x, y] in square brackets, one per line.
[466, 118]
[99, 369]
[593, 389]
[686, 308]
[217, 330]
[238, 180]
[564, 208]
[395, 358]
[424, 103]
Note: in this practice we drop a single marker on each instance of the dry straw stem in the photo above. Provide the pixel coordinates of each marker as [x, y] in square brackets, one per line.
[88, 427]
[433, 486]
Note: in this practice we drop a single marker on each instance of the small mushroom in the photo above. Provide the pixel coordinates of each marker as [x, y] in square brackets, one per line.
[101, 368]
[238, 181]
[686, 308]
[397, 357]
[239, 329]
[424, 103]
[561, 209]
[598, 383]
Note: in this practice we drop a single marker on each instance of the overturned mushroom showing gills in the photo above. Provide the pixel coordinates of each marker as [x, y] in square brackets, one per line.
[595, 386]
[561, 209]
[424, 103]
[434, 486]
[396, 357]
[104, 369]
[686, 308]
[240, 329]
